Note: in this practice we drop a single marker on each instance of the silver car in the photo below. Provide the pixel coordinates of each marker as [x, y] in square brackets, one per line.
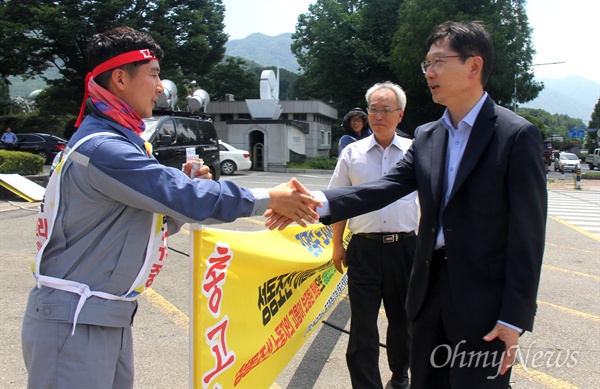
[566, 162]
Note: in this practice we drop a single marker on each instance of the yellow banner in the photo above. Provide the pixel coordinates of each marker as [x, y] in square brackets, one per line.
[256, 297]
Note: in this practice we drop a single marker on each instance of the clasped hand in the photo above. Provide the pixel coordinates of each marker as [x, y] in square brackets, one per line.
[291, 202]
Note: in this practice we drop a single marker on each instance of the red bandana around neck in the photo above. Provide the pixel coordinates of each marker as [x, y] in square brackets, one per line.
[108, 103]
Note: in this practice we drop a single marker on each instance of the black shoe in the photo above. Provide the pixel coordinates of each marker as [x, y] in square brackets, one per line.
[401, 383]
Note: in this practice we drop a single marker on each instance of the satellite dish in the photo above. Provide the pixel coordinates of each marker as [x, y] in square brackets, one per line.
[34, 94]
[198, 99]
[168, 98]
[269, 87]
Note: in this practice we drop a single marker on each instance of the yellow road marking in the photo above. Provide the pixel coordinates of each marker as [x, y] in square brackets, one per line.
[584, 232]
[541, 378]
[181, 320]
[570, 311]
[571, 248]
[174, 314]
[254, 221]
[171, 311]
[576, 273]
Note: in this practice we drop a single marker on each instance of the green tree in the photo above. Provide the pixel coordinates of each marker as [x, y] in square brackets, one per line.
[39, 34]
[229, 77]
[538, 123]
[9, 106]
[552, 125]
[594, 123]
[5, 103]
[343, 47]
[4, 95]
[508, 24]
[241, 78]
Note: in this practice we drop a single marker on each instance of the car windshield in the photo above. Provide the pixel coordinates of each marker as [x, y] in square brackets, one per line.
[150, 125]
[569, 156]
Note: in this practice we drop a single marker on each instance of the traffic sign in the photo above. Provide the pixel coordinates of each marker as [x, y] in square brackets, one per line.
[576, 133]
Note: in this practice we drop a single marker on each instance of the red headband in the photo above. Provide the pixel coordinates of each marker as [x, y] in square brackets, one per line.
[119, 60]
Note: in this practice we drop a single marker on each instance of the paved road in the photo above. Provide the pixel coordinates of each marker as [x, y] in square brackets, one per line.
[579, 208]
[562, 352]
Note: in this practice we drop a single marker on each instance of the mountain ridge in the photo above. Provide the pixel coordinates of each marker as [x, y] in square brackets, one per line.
[265, 50]
[573, 96]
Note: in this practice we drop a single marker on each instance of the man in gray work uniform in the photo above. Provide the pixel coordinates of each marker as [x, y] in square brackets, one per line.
[108, 210]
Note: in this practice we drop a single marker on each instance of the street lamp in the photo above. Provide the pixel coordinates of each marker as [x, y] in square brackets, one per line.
[515, 90]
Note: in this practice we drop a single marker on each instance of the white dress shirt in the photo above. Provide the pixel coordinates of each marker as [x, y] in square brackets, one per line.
[457, 143]
[364, 161]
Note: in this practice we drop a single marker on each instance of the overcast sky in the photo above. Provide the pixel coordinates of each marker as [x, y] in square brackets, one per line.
[563, 30]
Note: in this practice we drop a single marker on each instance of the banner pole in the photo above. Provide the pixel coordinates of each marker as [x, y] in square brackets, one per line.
[346, 331]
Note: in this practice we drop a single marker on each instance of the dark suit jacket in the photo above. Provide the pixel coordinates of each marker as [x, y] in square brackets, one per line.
[494, 222]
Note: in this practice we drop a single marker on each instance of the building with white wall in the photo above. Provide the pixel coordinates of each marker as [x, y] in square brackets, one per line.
[301, 129]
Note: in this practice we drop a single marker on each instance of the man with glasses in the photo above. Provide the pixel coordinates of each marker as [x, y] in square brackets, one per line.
[482, 192]
[380, 254]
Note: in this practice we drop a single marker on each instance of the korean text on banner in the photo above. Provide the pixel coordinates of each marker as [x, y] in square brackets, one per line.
[256, 297]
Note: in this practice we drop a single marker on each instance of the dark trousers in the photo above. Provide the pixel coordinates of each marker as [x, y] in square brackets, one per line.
[378, 271]
[442, 358]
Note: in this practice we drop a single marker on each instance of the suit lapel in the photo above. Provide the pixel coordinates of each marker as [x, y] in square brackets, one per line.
[438, 162]
[483, 129]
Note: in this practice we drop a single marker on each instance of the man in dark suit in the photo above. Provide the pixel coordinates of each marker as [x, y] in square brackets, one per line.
[482, 191]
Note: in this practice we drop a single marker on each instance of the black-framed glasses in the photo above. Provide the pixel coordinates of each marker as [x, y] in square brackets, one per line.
[385, 111]
[437, 62]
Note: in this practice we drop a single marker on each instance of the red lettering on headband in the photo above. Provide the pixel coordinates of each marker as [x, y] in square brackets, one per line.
[119, 60]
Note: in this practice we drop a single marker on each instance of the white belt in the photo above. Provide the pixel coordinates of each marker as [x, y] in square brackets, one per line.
[78, 288]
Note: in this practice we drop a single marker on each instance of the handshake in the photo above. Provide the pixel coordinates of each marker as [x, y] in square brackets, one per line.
[289, 202]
